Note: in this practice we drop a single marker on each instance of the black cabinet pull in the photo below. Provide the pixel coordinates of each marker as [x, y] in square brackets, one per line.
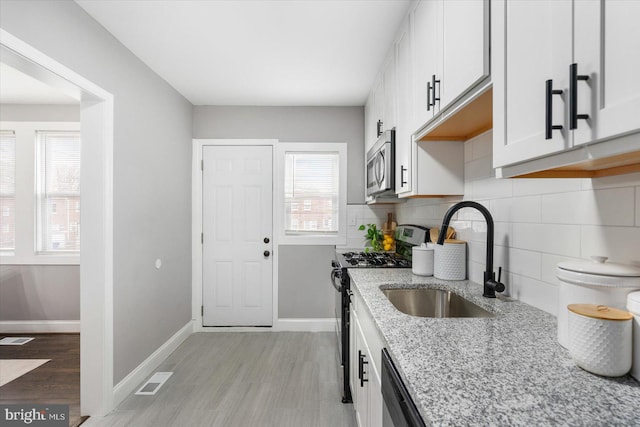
[361, 372]
[433, 88]
[379, 128]
[428, 96]
[548, 113]
[402, 171]
[574, 77]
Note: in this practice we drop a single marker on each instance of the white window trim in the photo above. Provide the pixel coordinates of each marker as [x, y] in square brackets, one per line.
[25, 250]
[285, 239]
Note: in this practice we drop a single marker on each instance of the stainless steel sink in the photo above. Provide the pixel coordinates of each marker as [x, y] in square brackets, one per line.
[433, 303]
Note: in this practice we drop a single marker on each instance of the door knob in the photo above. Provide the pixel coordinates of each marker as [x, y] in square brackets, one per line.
[266, 240]
[267, 253]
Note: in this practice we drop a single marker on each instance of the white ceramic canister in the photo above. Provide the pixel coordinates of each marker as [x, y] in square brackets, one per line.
[422, 259]
[600, 339]
[450, 260]
[593, 282]
[633, 305]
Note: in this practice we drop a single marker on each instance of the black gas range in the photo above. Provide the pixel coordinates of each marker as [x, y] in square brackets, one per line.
[406, 236]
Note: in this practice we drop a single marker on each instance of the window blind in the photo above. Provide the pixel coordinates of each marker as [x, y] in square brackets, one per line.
[7, 190]
[58, 191]
[311, 191]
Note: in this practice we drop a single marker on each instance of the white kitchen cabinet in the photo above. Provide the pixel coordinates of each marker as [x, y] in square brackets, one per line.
[451, 51]
[389, 102]
[534, 39]
[535, 93]
[404, 95]
[365, 364]
[607, 49]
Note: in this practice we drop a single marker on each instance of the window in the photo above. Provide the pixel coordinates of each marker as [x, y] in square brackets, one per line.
[314, 177]
[58, 191]
[8, 190]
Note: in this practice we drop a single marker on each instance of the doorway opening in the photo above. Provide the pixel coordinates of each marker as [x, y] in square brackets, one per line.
[96, 216]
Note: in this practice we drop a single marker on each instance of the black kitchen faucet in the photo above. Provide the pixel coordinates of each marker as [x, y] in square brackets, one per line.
[491, 286]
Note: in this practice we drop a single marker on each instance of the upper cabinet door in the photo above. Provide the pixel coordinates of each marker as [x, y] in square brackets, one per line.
[404, 125]
[607, 50]
[465, 38]
[427, 57]
[389, 78]
[531, 44]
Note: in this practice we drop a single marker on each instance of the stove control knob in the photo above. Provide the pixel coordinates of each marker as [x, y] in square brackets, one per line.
[267, 253]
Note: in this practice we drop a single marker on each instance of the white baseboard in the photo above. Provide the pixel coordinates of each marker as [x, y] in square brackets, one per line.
[39, 326]
[138, 375]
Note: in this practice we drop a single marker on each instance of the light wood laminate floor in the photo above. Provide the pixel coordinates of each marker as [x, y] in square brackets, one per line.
[230, 379]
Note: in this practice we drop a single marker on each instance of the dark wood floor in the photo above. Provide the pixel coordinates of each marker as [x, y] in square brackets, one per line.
[55, 382]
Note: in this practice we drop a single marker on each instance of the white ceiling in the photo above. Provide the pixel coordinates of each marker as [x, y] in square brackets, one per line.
[258, 52]
[19, 88]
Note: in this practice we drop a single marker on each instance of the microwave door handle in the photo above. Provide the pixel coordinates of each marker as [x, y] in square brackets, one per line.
[379, 170]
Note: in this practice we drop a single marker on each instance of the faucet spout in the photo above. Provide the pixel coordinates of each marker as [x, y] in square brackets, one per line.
[491, 286]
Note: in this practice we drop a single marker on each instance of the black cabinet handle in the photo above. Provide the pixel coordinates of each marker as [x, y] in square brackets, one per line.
[402, 171]
[266, 253]
[548, 113]
[433, 87]
[379, 128]
[574, 77]
[428, 96]
[361, 372]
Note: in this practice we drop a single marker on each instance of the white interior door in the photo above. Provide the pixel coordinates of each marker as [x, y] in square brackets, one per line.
[237, 187]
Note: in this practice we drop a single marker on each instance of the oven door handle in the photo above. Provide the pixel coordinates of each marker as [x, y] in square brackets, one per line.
[335, 274]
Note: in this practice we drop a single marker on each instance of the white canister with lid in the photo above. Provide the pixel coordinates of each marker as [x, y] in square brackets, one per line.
[422, 259]
[450, 260]
[593, 282]
[600, 339]
[633, 305]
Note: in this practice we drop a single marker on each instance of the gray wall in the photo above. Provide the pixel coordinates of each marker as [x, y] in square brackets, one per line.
[304, 288]
[291, 124]
[39, 113]
[152, 173]
[39, 292]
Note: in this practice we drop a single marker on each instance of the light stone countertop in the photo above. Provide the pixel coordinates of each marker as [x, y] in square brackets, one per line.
[503, 371]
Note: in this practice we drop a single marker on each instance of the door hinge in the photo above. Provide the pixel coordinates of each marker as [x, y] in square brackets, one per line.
[202, 310]
[202, 238]
[202, 165]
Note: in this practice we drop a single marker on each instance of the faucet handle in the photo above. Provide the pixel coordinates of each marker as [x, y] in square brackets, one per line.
[499, 286]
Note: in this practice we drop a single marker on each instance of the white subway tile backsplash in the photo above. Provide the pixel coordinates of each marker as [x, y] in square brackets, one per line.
[613, 206]
[620, 244]
[549, 238]
[492, 188]
[534, 292]
[478, 168]
[516, 209]
[523, 263]
[468, 151]
[530, 186]
[627, 180]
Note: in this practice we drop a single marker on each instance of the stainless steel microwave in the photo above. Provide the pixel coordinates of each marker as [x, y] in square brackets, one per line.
[381, 164]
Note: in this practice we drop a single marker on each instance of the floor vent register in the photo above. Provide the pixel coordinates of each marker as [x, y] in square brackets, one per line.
[154, 383]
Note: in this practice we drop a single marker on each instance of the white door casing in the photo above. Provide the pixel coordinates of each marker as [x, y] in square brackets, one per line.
[237, 190]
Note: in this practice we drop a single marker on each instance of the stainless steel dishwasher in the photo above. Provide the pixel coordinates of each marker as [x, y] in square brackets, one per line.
[399, 410]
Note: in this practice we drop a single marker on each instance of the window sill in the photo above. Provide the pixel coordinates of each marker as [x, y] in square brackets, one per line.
[40, 260]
